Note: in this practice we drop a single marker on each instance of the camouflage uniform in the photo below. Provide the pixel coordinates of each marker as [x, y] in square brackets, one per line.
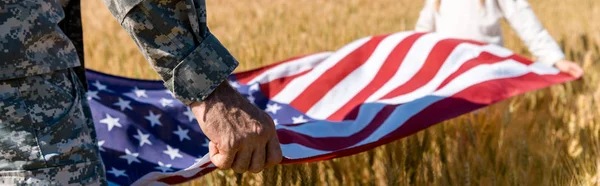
[47, 135]
[174, 38]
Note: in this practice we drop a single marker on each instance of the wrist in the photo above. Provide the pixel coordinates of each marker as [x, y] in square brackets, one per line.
[220, 94]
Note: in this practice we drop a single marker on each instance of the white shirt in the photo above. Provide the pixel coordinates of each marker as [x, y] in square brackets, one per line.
[468, 19]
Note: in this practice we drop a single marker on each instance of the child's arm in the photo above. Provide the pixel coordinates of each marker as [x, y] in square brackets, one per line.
[524, 21]
[426, 22]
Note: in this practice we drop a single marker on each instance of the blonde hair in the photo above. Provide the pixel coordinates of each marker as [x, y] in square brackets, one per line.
[438, 2]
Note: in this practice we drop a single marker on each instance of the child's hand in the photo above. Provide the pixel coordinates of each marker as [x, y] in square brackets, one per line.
[569, 67]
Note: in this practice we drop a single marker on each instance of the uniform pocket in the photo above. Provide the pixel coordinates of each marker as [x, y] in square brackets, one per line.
[56, 120]
[67, 139]
[18, 145]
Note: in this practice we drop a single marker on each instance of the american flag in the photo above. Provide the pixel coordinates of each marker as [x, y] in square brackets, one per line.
[368, 93]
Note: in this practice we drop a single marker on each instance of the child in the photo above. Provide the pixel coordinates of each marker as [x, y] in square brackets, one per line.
[480, 20]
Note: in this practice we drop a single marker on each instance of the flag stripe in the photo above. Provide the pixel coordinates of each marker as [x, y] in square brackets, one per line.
[438, 55]
[326, 81]
[462, 54]
[483, 58]
[413, 61]
[275, 86]
[352, 83]
[389, 68]
[295, 87]
[288, 68]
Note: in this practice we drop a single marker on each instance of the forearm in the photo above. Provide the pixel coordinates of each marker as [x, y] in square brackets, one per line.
[173, 37]
[538, 40]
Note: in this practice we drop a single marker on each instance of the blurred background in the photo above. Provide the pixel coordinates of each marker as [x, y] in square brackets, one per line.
[547, 137]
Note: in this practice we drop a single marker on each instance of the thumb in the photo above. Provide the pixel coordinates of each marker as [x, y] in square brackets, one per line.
[222, 161]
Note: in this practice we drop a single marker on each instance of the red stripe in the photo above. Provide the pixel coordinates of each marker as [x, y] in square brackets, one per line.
[483, 58]
[317, 89]
[460, 105]
[430, 68]
[386, 72]
[273, 87]
[247, 76]
[174, 180]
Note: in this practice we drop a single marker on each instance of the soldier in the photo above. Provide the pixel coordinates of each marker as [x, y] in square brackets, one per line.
[47, 135]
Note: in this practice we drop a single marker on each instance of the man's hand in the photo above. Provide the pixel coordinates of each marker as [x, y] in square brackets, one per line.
[569, 67]
[243, 137]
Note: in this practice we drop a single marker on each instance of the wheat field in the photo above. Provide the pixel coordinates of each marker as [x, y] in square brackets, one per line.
[546, 137]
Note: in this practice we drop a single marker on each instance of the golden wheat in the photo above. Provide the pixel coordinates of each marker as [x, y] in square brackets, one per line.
[547, 137]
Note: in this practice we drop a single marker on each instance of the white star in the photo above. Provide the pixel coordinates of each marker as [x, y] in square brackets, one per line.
[143, 138]
[111, 122]
[99, 86]
[163, 167]
[205, 144]
[123, 104]
[100, 143]
[299, 119]
[253, 88]
[166, 102]
[273, 108]
[189, 114]
[154, 119]
[172, 152]
[92, 94]
[117, 172]
[140, 92]
[275, 122]
[251, 99]
[183, 134]
[234, 84]
[130, 157]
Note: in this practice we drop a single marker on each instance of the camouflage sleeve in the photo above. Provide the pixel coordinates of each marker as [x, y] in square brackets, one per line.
[174, 38]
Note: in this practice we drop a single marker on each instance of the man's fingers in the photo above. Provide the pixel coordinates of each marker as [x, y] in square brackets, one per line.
[221, 159]
[242, 160]
[274, 155]
[258, 160]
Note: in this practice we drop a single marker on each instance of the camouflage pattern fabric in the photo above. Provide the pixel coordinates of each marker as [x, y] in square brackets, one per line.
[31, 42]
[174, 38]
[47, 135]
[72, 27]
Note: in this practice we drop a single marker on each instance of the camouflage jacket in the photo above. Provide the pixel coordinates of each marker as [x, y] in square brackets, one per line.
[172, 35]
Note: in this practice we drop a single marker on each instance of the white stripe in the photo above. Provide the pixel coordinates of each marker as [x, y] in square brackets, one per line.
[414, 60]
[506, 69]
[320, 129]
[459, 56]
[290, 68]
[296, 86]
[351, 85]
[400, 115]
